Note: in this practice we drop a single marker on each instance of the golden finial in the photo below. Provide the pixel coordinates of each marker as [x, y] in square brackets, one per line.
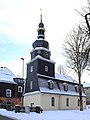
[41, 15]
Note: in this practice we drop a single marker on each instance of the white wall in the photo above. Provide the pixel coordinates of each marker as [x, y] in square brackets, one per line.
[44, 100]
[32, 98]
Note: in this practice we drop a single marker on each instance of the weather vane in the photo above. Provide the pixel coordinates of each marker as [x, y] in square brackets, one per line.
[41, 15]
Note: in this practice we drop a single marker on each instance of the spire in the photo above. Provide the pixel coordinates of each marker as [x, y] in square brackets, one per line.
[41, 15]
[41, 29]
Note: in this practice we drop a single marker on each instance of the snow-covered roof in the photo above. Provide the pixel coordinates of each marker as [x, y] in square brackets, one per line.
[40, 48]
[85, 84]
[40, 57]
[61, 92]
[54, 91]
[31, 93]
[61, 77]
[65, 78]
[6, 76]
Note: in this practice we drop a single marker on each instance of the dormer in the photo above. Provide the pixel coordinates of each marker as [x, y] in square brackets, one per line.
[65, 85]
[50, 84]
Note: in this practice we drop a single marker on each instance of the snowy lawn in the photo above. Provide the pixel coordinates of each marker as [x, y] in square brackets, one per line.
[49, 115]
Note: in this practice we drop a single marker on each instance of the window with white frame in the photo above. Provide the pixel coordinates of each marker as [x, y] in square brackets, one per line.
[31, 84]
[19, 88]
[31, 69]
[8, 93]
[46, 68]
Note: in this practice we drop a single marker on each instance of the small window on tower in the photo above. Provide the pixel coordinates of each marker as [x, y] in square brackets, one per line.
[31, 69]
[31, 84]
[46, 68]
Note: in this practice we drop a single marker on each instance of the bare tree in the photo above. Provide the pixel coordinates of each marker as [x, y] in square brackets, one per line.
[85, 9]
[62, 69]
[86, 15]
[77, 49]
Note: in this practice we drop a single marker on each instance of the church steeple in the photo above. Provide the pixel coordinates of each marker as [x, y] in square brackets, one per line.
[41, 30]
[40, 63]
[40, 46]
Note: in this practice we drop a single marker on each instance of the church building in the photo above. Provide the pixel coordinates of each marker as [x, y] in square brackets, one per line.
[43, 87]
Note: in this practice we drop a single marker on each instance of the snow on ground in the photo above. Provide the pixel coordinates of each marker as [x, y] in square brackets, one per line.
[49, 115]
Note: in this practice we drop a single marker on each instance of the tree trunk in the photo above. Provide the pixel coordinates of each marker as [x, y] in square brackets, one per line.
[80, 94]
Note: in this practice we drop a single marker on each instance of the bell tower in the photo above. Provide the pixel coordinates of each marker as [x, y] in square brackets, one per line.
[40, 46]
[40, 63]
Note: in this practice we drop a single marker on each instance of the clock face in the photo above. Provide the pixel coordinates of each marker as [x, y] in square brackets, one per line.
[38, 51]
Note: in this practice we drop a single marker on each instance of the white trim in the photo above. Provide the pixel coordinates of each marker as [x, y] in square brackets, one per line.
[39, 57]
[32, 93]
[8, 93]
[41, 29]
[40, 48]
[41, 35]
[20, 89]
[45, 76]
[40, 39]
[59, 92]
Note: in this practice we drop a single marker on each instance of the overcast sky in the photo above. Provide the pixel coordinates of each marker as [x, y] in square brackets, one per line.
[19, 21]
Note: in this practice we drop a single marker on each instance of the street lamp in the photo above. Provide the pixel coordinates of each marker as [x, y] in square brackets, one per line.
[22, 68]
[22, 80]
[87, 18]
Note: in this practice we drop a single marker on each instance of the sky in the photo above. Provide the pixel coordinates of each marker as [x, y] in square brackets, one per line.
[49, 115]
[19, 21]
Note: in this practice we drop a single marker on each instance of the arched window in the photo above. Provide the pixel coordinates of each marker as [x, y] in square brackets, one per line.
[67, 102]
[78, 102]
[50, 84]
[52, 101]
[65, 85]
[8, 93]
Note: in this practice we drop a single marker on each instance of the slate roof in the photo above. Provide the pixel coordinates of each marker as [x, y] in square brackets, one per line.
[61, 77]
[65, 78]
[58, 87]
[61, 92]
[6, 76]
[41, 58]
